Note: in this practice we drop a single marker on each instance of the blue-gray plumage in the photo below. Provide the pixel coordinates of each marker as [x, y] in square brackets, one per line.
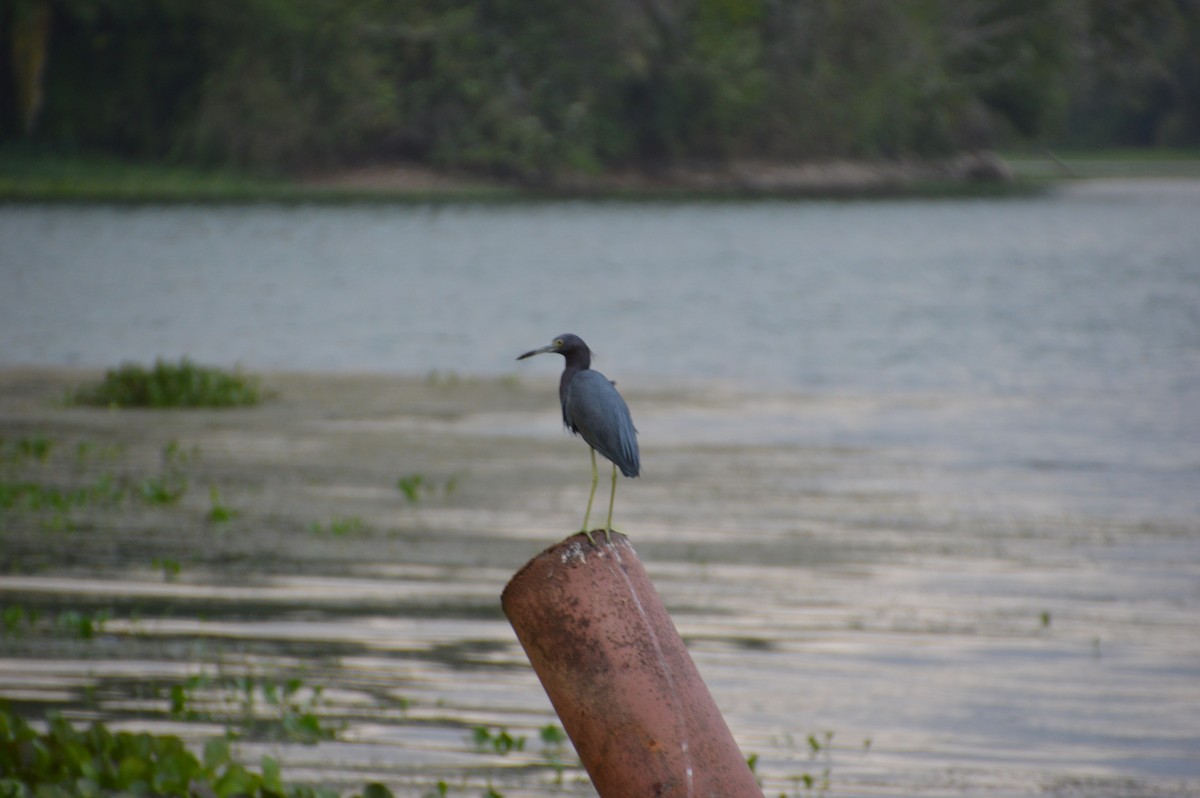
[591, 407]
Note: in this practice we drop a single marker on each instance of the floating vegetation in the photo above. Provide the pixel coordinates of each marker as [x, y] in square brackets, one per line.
[416, 486]
[341, 527]
[411, 487]
[84, 626]
[170, 568]
[34, 497]
[250, 706]
[218, 511]
[96, 761]
[499, 740]
[17, 620]
[56, 504]
[554, 742]
[162, 490]
[37, 447]
[170, 385]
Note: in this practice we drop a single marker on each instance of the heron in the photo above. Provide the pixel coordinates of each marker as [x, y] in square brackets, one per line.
[591, 407]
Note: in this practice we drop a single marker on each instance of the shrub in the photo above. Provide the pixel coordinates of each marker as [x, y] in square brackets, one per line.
[171, 385]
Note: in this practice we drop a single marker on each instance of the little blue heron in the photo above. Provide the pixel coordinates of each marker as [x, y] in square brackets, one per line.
[591, 407]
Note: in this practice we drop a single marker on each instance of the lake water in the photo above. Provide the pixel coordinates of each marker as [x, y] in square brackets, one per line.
[1055, 336]
[1024, 373]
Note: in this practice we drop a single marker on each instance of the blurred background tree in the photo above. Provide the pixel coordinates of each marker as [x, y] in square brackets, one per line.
[532, 88]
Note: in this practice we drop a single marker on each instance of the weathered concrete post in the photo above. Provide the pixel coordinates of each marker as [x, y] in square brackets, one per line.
[619, 676]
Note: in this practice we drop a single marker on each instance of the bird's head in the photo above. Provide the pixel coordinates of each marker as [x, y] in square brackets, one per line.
[568, 345]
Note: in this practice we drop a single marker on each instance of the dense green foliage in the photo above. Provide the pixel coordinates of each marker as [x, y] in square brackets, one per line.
[531, 88]
[94, 761]
[182, 384]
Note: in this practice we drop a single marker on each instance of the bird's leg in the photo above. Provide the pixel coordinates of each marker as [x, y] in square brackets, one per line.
[612, 498]
[591, 496]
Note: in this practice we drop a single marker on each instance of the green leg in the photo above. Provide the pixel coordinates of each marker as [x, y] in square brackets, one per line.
[591, 496]
[612, 498]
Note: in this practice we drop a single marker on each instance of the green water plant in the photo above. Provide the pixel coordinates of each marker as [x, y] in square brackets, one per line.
[218, 511]
[170, 385]
[340, 527]
[83, 625]
[95, 761]
[554, 741]
[171, 568]
[416, 486]
[164, 490]
[498, 740]
[442, 789]
[16, 619]
[252, 706]
[37, 447]
[411, 487]
[32, 496]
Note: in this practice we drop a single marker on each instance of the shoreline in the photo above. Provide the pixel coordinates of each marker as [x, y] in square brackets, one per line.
[33, 177]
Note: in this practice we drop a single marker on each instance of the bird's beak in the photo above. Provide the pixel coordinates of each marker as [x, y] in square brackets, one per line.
[542, 351]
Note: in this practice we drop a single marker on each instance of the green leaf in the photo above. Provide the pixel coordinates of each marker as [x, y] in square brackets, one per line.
[271, 775]
[216, 753]
[236, 780]
[376, 790]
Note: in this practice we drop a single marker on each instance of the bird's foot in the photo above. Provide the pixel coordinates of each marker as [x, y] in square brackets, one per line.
[608, 533]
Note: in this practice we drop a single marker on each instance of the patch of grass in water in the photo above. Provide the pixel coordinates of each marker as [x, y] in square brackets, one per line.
[163, 490]
[32, 496]
[415, 486]
[95, 761]
[254, 707]
[170, 385]
[341, 527]
[499, 740]
[219, 512]
[17, 620]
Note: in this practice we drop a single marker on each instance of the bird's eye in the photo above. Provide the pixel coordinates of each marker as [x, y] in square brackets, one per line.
[558, 342]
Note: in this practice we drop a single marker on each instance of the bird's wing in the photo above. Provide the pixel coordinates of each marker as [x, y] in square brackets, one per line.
[595, 410]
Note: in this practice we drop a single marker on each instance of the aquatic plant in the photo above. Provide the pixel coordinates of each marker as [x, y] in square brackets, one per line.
[38, 447]
[170, 385]
[443, 789]
[410, 486]
[340, 527]
[174, 455]
[16, 619]
[162, 490]
[499, 740]
[289, 709]
[26, 495]
[554, 741]
[95, 761]
[218, 513]
[83, 625]
[553, 737]
[170, 568]
[414, 486]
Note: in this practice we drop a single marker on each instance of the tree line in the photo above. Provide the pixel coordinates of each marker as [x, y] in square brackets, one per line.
[533, 88]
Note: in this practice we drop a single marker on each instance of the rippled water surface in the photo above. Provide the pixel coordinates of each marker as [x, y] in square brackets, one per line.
[922, 475]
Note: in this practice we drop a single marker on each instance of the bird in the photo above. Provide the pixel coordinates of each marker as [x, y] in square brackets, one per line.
[592, 408]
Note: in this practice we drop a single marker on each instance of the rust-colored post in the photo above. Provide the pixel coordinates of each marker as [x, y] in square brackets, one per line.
[619, 676]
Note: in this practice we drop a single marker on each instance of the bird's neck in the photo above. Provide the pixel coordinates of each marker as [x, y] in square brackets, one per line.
[568, 374]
